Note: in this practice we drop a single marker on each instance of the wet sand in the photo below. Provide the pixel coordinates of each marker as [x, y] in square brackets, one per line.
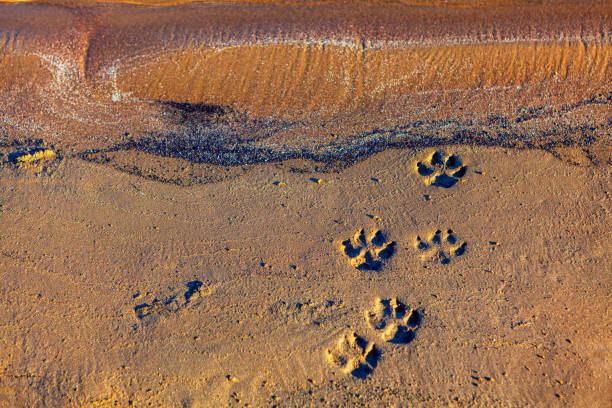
[289, 204]
[276, 81]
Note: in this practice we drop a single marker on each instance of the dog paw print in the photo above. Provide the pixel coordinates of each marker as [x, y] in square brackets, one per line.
[441, 171]
[440, 247]
[353, 355]
[368, 253]
[393, 320]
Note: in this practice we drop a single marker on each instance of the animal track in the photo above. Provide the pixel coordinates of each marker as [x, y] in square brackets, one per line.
[157, 307]
[440, 247]
[393, 320]
[353, 355]
[441, 172]
[368, 253]
[170, 304]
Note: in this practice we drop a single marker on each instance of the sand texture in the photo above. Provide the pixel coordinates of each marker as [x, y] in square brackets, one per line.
[305, 203]
[120, 289]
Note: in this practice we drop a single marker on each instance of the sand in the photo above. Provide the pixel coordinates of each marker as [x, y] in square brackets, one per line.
[386, 204]
[305, 81]
[91, 256]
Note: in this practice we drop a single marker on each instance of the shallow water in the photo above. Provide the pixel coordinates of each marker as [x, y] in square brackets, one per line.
[242, 83]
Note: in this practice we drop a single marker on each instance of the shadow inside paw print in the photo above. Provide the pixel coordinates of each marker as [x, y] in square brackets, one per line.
[393, 320]
[193, 289]
[368, 253]
[440, 247]
[441, 171]
[353, 355]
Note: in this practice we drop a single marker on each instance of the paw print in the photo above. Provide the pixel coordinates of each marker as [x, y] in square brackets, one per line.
[440, 247]
[353, 355]
[157, 307]
[392, 319]
[441, 172]
[368, 253]
[172, 303]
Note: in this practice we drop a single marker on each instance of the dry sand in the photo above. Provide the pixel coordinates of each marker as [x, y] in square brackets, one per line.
[520, 319]
[290, 204]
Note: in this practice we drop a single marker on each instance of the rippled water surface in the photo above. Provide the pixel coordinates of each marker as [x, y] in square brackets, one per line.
[242, 83]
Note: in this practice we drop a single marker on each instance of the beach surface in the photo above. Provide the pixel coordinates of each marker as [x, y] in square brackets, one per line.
[289, 204]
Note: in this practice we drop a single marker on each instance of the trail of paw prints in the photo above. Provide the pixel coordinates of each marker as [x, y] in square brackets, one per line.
[441, 171]
[172, 303]
[353, 355]
[394, 322]
[440, 247]
[368, 253]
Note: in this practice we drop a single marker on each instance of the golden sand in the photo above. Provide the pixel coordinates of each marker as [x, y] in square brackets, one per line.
[118, 288]
[289, 204]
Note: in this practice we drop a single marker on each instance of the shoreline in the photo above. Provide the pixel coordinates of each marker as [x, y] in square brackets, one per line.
[261, 77]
